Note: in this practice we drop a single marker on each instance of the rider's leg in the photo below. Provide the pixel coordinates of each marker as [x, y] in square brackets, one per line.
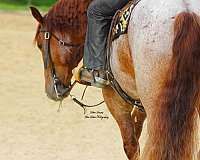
[100, 13]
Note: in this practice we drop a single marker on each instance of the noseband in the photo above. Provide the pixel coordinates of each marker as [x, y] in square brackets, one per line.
[48, 60]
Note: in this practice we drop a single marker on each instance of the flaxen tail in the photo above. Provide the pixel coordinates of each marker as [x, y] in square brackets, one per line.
[173, 134]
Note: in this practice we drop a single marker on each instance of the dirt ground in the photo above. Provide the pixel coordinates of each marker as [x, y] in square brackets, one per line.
[30, 126]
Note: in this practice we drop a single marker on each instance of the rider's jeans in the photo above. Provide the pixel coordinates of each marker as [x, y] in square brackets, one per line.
[100, 13]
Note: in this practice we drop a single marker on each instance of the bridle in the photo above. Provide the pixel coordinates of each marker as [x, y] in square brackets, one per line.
[56, 82]
[48, 60]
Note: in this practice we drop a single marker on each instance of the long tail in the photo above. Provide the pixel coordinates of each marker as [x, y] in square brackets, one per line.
[173, 134]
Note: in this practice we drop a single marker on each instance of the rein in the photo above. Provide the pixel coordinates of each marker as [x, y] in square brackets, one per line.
[84, 106]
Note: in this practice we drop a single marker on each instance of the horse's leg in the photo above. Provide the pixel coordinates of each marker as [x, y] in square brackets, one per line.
[138, 118]
[121, 111]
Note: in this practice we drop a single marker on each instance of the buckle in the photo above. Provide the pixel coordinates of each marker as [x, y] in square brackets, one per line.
[46, 35]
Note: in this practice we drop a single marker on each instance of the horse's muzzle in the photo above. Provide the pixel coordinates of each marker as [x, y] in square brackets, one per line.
[59, 91]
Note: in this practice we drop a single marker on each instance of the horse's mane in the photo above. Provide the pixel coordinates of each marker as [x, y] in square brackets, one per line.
[67, 15]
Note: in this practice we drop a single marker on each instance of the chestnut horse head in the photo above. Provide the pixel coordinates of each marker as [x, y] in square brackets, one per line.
[60, 37]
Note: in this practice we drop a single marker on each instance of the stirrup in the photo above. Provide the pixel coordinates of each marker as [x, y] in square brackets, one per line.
[100, 82]
[91, 77]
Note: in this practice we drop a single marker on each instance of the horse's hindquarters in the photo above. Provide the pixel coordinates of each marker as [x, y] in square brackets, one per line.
[151, 37]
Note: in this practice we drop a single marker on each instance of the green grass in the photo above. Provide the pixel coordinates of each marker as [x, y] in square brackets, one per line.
[17, 5]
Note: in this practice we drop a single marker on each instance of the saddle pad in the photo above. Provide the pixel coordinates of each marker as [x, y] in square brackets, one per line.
[121, 19]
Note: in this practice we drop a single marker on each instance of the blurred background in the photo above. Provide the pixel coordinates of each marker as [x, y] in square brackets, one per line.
[23, 4]
[30, 126]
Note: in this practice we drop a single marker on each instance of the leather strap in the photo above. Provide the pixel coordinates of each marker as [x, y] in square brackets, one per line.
[113, 82]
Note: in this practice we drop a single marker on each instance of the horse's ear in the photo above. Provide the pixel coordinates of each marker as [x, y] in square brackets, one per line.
[37, 15]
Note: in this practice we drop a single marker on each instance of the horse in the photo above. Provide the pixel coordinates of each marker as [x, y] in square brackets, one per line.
[157, 61]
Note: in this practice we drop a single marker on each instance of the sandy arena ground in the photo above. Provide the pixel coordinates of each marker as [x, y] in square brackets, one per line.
[30, 126]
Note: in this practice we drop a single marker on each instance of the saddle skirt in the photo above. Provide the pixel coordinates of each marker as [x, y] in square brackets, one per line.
[119, 26]
[121, 19]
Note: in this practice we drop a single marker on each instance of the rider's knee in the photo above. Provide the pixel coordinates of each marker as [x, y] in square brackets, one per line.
[95, 9]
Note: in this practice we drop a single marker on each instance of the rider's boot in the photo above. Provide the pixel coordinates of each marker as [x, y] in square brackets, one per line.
[96, 78]
[90, 77]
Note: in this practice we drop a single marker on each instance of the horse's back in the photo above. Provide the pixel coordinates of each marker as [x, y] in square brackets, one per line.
[151, 38]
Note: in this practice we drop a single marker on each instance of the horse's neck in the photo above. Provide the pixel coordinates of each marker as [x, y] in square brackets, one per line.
[122, 65]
